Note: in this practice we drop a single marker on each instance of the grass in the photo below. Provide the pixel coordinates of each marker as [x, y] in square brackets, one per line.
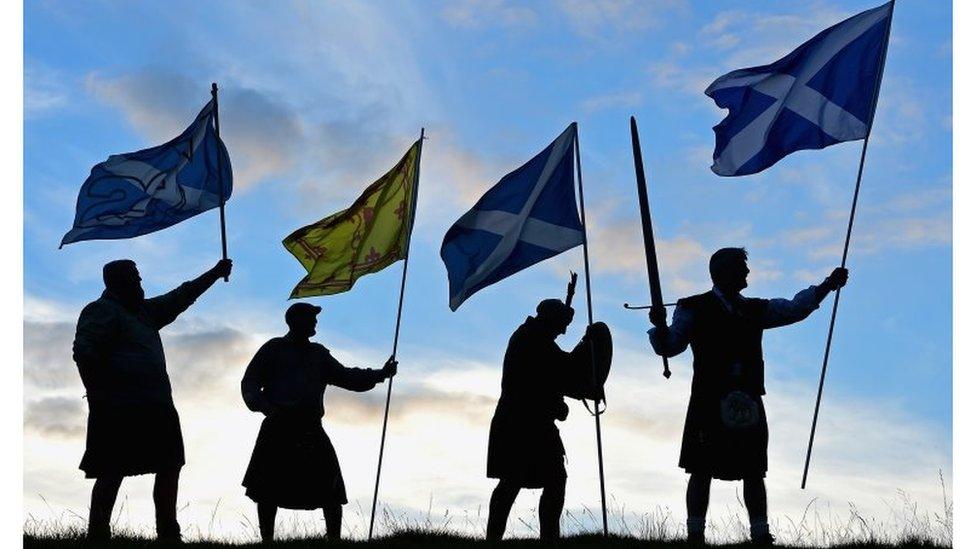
[418, 539]
[905, 527]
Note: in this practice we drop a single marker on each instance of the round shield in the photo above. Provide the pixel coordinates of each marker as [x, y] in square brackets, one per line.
[594, 352]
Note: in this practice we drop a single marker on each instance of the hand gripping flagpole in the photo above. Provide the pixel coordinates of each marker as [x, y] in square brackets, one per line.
[220, 174]
[847, 243]
[396, 335]
[589, 315]
[650, 252]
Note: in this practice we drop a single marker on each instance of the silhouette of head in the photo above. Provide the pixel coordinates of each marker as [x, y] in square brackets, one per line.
[122, 279]
[729, 270]
[301, 319]
[554, 315]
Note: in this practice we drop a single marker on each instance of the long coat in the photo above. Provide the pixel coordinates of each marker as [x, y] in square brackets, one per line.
[524, 446]
[294, 464]
[133, 427]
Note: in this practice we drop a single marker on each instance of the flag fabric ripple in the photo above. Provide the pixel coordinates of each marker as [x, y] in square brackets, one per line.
[527, 217]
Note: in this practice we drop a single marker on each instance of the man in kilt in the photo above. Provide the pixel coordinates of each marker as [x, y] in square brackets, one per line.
[524, 446]
[294, 464]
[726, 433]
[133, 427]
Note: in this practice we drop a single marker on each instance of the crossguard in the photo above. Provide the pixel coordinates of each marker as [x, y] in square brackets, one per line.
[639, 307]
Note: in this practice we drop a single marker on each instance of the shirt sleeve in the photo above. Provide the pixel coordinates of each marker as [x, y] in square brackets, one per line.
[351, 379]
[783, 312]
[165, 308]
[675, 340]
[252, 385]
[96, 329]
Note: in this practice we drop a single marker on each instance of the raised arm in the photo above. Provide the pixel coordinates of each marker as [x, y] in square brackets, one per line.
[783, 312]
[165, 308]
[671, 340]
[357, 379]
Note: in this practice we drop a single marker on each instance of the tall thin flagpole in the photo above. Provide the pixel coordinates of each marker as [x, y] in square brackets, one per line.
[396, 333]
[589, 316]
[847, 243]
[220, 174]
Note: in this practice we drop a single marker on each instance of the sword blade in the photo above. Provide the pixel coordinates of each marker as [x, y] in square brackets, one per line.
[650, 252]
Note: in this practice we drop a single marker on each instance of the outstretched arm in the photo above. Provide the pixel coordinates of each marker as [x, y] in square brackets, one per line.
[783, 312]
[357, 379]
[165, 308]
[671, 340]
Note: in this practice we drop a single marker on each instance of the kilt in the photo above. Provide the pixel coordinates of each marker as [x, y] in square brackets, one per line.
[132, 439]
[294, 465]
[529, 454]
[709, 447]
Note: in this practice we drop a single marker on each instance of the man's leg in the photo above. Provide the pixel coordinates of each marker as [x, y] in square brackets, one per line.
[551, 508]
[502, 499]
[333, 521]
[696, 498]
[103, 495]
[165, 490]
[754, 493]
[266, 520]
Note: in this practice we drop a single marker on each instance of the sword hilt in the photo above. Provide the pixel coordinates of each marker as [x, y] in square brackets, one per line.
[639, 307]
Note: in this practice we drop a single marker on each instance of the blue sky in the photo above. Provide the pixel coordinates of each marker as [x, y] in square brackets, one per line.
[319, 99]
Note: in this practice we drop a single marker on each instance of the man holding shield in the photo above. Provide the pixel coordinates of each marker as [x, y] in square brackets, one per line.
[524, 446]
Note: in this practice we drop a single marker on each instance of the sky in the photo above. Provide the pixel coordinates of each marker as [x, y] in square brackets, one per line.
[319, 99]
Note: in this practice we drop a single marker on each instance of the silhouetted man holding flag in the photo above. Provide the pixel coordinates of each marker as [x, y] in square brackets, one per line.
[294, 464]
[725, 433]
[133, 427]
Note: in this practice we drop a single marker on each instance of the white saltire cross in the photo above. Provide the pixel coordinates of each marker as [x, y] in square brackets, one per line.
[520, 227]
[791, 92]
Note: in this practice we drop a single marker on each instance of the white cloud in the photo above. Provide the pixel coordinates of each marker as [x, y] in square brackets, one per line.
[437, 439]
[477, 13]
[45, 89]
[611, 19]
[55, 416]
[618, 100]
[261, 134]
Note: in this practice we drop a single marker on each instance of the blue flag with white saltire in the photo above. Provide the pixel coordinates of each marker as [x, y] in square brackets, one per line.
[528, 216]
[137, 193]
[822, 93]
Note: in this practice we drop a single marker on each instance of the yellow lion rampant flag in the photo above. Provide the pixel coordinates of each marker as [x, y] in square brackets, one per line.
[366, 237]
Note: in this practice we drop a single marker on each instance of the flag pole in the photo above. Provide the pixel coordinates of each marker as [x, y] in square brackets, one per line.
[396, 335]
[589, 315]
[220, 174]
[847, 243]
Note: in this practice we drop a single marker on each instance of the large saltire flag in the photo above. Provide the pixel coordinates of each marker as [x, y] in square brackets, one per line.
[527, 217]
[822, 93]
[137, 193]
[366, 237]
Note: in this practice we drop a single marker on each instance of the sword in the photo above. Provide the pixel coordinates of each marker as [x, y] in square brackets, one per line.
[570, 289]
[650, 253]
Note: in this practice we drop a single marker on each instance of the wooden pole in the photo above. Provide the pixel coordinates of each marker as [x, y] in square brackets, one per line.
[650, 252]
[589, 317]
[220, 175]
[847, 243]
[396, 335]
